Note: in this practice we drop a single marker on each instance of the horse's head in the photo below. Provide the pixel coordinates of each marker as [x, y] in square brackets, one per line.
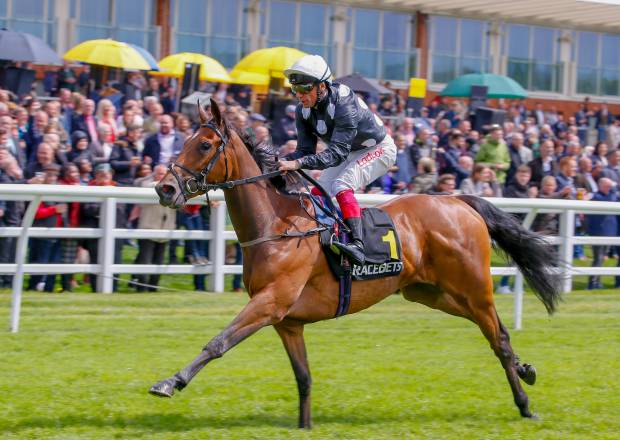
[201, 162]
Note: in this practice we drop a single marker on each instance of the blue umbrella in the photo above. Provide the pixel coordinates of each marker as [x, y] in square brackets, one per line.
[146, 55]
[19, 46]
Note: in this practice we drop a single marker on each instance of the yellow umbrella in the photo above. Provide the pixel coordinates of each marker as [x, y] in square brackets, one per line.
[108, 53]
[261, 65]
[210, 69]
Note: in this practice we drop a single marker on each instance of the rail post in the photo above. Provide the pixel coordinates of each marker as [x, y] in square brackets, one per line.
[107, 222]
[20, 257]
[217, 247]
[567, 232]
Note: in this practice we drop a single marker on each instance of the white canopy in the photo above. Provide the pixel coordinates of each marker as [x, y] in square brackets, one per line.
[595, 15]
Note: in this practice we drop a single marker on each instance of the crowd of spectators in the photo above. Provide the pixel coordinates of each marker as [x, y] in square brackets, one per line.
[80, 138]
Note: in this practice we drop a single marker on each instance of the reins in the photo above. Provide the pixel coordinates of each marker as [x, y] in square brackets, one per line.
[198, 182]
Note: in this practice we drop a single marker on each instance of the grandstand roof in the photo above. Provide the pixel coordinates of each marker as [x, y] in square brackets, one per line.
[597, 15]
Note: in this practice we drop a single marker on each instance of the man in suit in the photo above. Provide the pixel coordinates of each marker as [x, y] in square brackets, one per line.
[612, 170]
[519, 155]
[538, 114]
[601, 226]
[86, 121]
[163, 146]
[34, 135]
[584, 178]
[544, 165]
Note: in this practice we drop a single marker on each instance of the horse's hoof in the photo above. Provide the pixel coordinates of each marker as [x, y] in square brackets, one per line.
[165, 388]
[527, 373]
[532, 416]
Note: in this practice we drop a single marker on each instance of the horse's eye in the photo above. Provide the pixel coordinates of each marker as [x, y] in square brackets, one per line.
[205, 145]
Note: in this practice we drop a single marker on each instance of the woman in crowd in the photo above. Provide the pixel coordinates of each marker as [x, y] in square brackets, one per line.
[106, 115]
[482, 183]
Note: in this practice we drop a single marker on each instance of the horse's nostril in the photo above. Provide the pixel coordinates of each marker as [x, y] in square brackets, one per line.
[167, 189]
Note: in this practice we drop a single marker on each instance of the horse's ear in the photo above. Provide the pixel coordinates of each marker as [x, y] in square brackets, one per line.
[202, 114]
[215, 111]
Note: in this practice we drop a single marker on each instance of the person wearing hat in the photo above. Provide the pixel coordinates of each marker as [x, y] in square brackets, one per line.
[285, 130]
[359, 149]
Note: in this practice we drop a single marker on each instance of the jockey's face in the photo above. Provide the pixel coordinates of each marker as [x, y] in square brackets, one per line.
[309, 99]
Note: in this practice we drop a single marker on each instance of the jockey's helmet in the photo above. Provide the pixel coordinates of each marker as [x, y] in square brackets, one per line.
[309, 69]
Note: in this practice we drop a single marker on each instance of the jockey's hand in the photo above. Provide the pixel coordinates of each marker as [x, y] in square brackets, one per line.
[288, 165]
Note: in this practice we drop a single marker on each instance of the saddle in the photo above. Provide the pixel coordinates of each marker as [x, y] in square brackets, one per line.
[381, 247]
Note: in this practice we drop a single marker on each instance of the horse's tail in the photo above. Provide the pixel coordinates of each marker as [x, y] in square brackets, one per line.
[535, 257]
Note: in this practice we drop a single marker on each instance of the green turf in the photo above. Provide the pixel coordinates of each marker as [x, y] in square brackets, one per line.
[82, 364]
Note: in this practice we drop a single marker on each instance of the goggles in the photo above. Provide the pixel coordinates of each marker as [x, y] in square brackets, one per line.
[302, 88]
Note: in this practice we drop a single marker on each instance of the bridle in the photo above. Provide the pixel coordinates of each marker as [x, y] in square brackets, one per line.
[197, 182]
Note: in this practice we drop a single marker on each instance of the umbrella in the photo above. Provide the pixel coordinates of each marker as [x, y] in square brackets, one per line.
[261, 65]
[499, 86]
[108, 53]
[210, 69]
[146, 55]
[358, 83]
[19, 46]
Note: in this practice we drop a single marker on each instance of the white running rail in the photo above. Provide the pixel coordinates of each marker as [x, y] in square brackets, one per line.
[218, 235]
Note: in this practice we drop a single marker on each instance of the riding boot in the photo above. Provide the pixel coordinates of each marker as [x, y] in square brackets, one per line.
[355, 249]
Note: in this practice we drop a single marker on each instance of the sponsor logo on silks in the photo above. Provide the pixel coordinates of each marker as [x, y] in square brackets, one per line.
[377, 269]
[367, 158]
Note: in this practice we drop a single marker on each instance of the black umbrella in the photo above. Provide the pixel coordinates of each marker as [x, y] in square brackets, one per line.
[19, 46]
[358, 83]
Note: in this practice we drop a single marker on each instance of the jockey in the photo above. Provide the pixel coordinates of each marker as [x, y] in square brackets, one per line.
[359, 150]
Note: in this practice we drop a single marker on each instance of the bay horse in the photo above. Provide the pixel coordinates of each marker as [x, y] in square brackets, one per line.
[446, 251]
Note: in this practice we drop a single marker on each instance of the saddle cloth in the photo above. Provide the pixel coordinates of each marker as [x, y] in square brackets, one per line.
[381, 245]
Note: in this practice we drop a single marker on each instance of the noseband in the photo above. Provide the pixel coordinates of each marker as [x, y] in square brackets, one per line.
[198, 181]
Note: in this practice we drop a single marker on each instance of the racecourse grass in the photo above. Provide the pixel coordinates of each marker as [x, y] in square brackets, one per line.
[82, 363]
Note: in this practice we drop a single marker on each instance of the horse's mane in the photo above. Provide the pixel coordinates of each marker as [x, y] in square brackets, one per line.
[264, 153]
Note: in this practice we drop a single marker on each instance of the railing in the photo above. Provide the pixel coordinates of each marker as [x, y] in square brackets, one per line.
[218, 235]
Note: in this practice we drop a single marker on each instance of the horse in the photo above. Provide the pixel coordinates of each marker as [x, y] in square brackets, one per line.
[446, 251]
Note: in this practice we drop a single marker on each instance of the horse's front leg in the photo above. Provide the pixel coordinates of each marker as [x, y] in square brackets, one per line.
[265, 308]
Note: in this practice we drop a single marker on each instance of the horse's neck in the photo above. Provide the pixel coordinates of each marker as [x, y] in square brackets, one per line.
[252, 207]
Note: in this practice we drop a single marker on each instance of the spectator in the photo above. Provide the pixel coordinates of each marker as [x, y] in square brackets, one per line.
[35, 133]
[90, 213]
[612, 170]
[285, 130]
[544, 165]
[86, 168]
[584, 178]
[482, 183]
[519, 155]
[183, 126]
[79, 148]
[407, 132]
[405, 169]
[152, 251]
[44, 158]
[47, 250]
[565, 178]
[601, 226]
[125, 157]
[151, 124]
[424, 182]
[613, 133]
[548, 224]
[69, 246]
[106, 115]
[600, 153]
[450, 157]
[446, 184]
[101, 149]
[165, 146]
[494, 153]
[86, 121]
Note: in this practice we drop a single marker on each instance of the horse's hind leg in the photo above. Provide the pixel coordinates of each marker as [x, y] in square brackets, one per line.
[292, 335]
[497, 335]
[480, 310]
